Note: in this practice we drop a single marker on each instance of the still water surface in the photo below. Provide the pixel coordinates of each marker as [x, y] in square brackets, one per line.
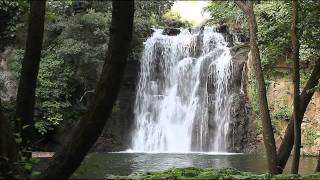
[98, 165]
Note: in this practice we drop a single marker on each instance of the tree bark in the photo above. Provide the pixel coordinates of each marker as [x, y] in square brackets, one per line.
[286, 145]
[296, 91]
[268, 137]
[90, 126]
[29, 72]
[318, 164]
[8, 148]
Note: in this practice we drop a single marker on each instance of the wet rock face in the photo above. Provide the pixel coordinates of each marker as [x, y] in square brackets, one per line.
[233, 37]
[224, 30]
[116, 134]
[171, 31]
[238, 128]
[241, 136]
[241, 133]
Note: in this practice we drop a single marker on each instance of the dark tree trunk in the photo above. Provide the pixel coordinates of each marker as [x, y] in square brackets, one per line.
[296, 92]
[29, 71]
[69, 157]
[8, 148]
[268, 137]
[286, 145]
[318, 164]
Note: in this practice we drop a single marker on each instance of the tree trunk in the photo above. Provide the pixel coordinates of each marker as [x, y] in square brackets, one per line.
[296, 85]
[69, 157]
[305, 97]
[8, 148]
[268, 137]
[318, 164]
[29, 72]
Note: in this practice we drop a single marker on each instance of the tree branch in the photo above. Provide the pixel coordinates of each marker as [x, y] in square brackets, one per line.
[286, 145]
[242, 5]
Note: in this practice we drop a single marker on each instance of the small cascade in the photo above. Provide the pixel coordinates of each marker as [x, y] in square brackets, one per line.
[182, 102]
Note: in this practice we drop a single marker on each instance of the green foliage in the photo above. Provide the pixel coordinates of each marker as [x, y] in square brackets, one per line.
[274, 23]
[310, 135]
[10, 11]
[253, 94]
[281, 113]
[75, 43]
[201, 173]
[152, 9]
[52, 91]
[225, 12]
[14, 62]
[273, 18]
[173, 19]
[309, 26]
[55, 10]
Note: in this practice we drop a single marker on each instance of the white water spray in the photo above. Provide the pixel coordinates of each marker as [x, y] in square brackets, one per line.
[182, 101]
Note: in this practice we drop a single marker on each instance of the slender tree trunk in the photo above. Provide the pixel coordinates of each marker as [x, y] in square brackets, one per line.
[318, 164]
[69, 157]
[29, 71]
[268, 137]
[286, 145]
[296, 92]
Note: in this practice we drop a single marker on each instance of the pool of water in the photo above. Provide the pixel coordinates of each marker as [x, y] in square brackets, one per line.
[98, 165]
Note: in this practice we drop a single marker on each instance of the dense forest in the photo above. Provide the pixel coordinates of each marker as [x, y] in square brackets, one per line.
[134, 90]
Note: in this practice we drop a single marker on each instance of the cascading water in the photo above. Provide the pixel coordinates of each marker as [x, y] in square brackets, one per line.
[182, 101]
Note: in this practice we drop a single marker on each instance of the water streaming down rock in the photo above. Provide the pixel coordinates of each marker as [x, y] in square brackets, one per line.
[183, 102]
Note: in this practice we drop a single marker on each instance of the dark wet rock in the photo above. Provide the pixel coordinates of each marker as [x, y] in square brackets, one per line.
[241, 136]
[233, 37]
[151, 31]
[241, 133]
[116, 135]
[171, 31]
[196, 52]
[239, 59]
[241, 37]
[223, 29]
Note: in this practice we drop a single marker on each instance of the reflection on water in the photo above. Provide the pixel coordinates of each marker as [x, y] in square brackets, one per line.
[98, 165]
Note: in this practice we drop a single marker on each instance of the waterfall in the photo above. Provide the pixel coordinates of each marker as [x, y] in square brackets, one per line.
[182, 102]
